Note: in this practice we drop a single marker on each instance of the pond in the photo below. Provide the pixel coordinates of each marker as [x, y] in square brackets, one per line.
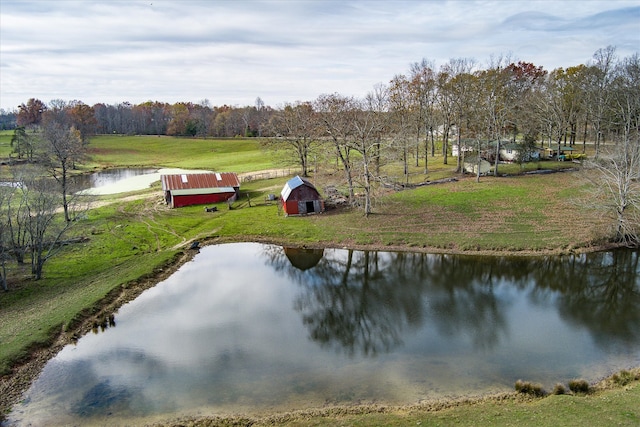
[251, 328]
[108, 180]
[121, 180]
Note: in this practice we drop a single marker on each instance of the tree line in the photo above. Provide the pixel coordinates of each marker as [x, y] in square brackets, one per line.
[199, 120]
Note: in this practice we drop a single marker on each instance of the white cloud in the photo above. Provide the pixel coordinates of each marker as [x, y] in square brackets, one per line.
[231, 52]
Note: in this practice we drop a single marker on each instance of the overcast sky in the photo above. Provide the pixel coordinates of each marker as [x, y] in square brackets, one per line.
[231, 52]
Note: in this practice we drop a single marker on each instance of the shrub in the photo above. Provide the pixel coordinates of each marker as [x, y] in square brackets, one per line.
[579, 386]
[623, 377]
[559, 389]
[525, 387]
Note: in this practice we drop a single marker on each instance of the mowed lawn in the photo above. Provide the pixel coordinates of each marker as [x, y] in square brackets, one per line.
[222, 155]
[506, 214]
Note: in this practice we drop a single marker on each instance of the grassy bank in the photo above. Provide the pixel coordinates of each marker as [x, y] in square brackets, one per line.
[135, 237]
[607, 407]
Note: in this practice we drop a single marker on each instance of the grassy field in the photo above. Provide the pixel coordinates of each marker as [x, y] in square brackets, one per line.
[5, 143]
[134, 236]
[227, 155]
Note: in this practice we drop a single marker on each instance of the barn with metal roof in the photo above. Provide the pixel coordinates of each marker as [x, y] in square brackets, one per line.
[300, 197]
[199, 188]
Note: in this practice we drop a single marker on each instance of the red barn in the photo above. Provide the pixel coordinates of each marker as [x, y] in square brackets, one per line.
[199, 188]
[300, 197]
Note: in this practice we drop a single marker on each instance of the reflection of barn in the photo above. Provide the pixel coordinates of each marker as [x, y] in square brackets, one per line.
[199, 188]
[303, 258]
[300, 197]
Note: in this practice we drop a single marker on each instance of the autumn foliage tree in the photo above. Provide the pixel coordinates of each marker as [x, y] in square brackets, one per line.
[31, 113]
[82, 118]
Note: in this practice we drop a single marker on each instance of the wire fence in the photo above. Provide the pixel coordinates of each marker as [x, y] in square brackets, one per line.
[276, 173]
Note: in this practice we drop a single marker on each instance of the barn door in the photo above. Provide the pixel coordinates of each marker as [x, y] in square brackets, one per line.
[309, 207]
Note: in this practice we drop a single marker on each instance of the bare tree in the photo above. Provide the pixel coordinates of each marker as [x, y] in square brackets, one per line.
[402, 110]
[446, 107]
[494, 107]
[617, 174]
[260, 115]
[334, 121]
[617, 187]
[423, 84]
[45, 228]
[295, 130]
[16, 215]
[461, 87]
[4, 241]
[599, 90]
[62, 148]
[368, 126]
[548, 111]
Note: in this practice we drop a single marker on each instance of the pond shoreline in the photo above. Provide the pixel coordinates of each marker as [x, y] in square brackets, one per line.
[13, 385]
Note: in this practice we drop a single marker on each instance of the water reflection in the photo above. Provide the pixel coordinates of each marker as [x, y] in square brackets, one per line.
[303, 258]
[604, 297]
[107, 177]
[248, 327]
[120, 180]
[598, 291]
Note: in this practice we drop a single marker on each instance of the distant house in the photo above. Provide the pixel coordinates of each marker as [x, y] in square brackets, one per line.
[467, 147]
[300, 197]
[471, 166]
[199, 188]
[511, 152]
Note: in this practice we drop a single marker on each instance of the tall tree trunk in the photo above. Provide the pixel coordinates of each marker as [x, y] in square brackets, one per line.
[367, 186]
[426, 153]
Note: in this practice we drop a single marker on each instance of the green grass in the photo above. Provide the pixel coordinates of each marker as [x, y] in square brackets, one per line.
[5, 143]
[226, 155]
[618, 406]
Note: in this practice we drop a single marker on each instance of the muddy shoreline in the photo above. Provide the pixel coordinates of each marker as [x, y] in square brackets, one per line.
[14, 384]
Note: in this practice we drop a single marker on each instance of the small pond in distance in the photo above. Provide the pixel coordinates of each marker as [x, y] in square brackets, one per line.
[121, 180]
[109, 177]
[252, 328]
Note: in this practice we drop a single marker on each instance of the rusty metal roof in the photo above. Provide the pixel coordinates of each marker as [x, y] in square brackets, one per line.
[199, 181]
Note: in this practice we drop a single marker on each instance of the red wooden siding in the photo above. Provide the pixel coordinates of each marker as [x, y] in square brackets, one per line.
[300, 197]
[199, 188]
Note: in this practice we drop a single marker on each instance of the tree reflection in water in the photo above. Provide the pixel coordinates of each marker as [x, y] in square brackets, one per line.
[603, 294]
[353, 302]
[363, 301]
[397, 328]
